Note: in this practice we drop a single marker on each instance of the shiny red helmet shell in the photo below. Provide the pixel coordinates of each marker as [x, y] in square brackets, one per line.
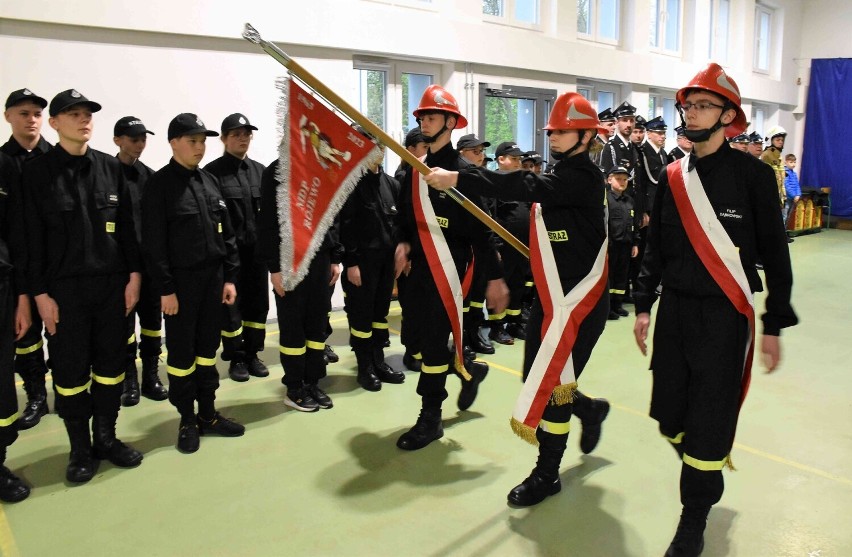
[571, 111]
[714, 79]
[436, 97]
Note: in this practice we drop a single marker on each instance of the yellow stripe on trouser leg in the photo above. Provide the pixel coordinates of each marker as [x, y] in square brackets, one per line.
[232, 334]
[496, 316]
[676, 440]
[29, 349]
[171, 370]
[254, 325]
[151, 333]
[377, 325]
[6, 422]
[434, 369]
[705, 465]
[616, 291]
[292, 351]
[359, 334]
[513, 312]
[107, 380]
[556, 428]
[65, 391]
[477, 305]
[205, 361]
[314, 345]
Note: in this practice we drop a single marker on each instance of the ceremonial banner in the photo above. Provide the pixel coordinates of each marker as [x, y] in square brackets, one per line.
[321, 159]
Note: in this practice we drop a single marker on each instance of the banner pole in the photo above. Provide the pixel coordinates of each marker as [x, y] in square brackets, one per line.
[252, 35]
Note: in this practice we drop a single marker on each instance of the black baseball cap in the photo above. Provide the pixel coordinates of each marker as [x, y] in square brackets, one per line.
[508, 149]
[618, 170]
[187, 123]
[234, 121]
[470, 141]
[532, 156]
[130, 125]
[414, 136]
[68, 98]
[22, 95]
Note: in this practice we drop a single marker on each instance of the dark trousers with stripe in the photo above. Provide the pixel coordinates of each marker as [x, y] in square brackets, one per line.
[149, 342]
[474, 303]
[29, 350]
[8, 398]
[619, 265]
[192, 338]
[516, 269]
[367, 305]
[302, 321]
[90, 345]
[244, 322]
[697, 363]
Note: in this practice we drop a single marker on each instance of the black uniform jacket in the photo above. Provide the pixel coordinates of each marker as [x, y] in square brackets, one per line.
[185, 225]
[19, 154]
[572, 202]
[79, 219]
[461, 229]
[12, 239]
[743, 192]
[269, 229]
[368, 220]
[240, 181]
[653, 162]
[135, 176]
[622, 229]
[620, 153]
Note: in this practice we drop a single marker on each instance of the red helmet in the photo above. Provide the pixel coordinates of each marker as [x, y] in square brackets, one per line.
[436, 97]
[714, 79]
[571, 111]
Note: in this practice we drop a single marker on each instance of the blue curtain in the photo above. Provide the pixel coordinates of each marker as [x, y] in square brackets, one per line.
[826, 155]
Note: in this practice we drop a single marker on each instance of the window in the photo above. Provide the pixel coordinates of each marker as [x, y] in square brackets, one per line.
[602, 95]
[519, 11]
[599, 20]
[662, 103]
[665, 25]
[758, 119]
[762, 37]
[372, 95]
[413, 86]
[518, 114]
[720, 11]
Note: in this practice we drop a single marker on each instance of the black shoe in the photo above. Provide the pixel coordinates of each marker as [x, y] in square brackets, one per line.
[516, 330]
[256, 367]
[591, 434]
[323, 400]
[525, 314]
[12, 489]
[468, 352]
[35, 409]
[621, 311]
[329, 355]
[411, 363]
[105, 445]
[301, 400]
[238, 371]
[130, 392]
[613, 316]
[220, 425]
[81, 465]
[481, 344]
[689, 539]
[427, 429]
[469, 389]
[152, 387]
[533, 490]
[500, 335]
[386, 344]
[188, 439]
[387, 374]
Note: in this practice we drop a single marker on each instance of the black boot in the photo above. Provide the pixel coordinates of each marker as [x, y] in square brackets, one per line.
[34, 386]
[366, 372]
[689, 539]
[329, 355]
[81, 465]
[427, 429]
[592, 412]
[12, 489]
[479, 342]
[410, 362]
[544, 479]
[469, 389]
[384, 372]
[130, 394]
[107, 447]
[256, 367]
[152, 388]
[238, 370]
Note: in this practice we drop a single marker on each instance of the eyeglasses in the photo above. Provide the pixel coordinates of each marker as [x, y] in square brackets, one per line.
[700, 106]
[477, 151]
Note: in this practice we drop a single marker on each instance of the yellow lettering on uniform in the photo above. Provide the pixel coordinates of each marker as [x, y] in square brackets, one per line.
[443, 222]
[110, 227]
[631, 212]
[220, 228]
[557, 235]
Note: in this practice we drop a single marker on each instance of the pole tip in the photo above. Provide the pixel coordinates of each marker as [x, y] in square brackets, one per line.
[251, 34]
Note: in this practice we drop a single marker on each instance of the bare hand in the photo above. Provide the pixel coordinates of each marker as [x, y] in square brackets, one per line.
[23, 317]
[634, 251]
[131, 292]
[48, 311]
[335, 273]
[169, 304]
[229, 293]
[277, 281]
[640, 331]
[497, 295]
[353, 275]
[441, 179]
[646, 219]
[400, 259]
[770, 349]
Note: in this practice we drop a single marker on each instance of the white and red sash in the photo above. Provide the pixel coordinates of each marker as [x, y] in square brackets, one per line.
[451, 288]
[714, 247]
[552, 371]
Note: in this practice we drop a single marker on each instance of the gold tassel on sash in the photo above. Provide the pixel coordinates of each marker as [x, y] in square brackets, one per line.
[524, 431]
[563, 394]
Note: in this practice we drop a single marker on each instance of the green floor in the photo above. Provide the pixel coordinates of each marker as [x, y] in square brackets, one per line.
[334, 483]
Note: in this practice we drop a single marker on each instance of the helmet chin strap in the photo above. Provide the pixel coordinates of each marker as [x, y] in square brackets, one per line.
[699, 136]
[561, 156]
[428, 140]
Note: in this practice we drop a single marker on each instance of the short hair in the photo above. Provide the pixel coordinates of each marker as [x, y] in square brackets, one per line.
[790, 157]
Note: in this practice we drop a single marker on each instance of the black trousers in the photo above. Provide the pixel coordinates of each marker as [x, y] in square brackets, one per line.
[150, 324]
[636, 262]
[474, 303]
[8, 398]
[619, 265]
[697, 363]
[244, 322]
[516, 269]
[90, 345]
[29, 351]
[367, 305]
[192, 338]
[302, 320]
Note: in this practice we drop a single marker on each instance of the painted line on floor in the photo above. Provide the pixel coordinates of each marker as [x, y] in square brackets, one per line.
[8, 548]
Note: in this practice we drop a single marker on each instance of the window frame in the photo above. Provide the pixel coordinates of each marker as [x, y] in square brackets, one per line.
[662, 19]
[508, 16]
[594, 23]
[715, 27]
[760, 9]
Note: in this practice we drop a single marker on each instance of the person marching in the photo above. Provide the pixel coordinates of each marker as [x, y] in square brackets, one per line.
[368, 232]
[192, 256]
[130, 136]
[434, 224]
[15, 318]
[24, 114]
[716, 211]
[623, 239]
[83, 262]
[244, 322]
[568, 245]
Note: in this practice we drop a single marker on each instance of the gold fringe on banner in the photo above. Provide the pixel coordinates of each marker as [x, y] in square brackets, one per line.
[563, 394]
[524, 431]
[460, 367]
